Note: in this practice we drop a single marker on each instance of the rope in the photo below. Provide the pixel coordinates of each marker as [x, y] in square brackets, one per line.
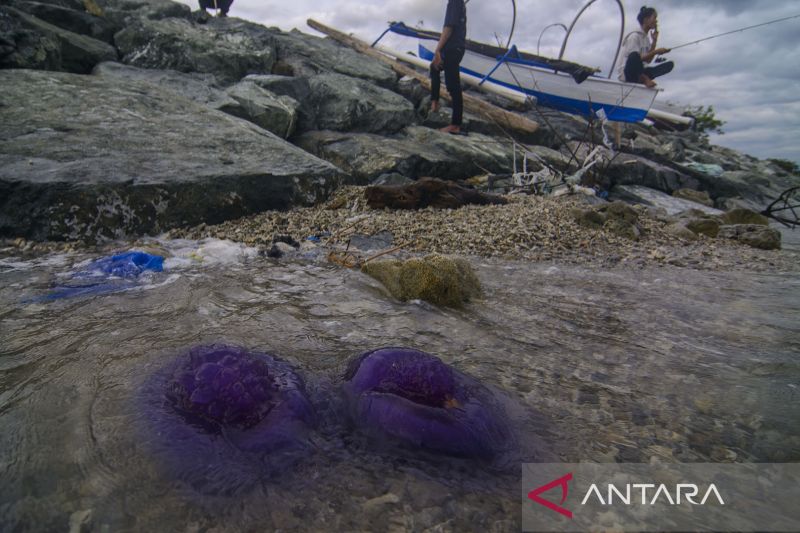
[735, 31]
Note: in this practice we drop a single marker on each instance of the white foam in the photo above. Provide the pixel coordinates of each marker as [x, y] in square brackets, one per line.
[188, 254]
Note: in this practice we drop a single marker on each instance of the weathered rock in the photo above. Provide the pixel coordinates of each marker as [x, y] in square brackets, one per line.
[471, 123]
[644, 195]
[77, 53]
[228, 48]
[427, 192]
[414, 92]
[703, 226]
[753, 189]
[700, 197]
[556, 129]
[616, 217]
[474, 154]
[712, 170]
[634, 170]
[21, 47]
[71, 19]
[367, 156]
[341, 103]
[85, 157]
[274, 113]
[679, 229]
[198, 87]
[755, 235]
[297, 88]
[306, 55]
[392, 179]
[440, 280]
[126, 12]
[744, 216]
[656, 147]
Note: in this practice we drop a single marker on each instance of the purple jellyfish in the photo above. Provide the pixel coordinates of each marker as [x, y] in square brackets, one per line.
[223, 418]
[415, 398]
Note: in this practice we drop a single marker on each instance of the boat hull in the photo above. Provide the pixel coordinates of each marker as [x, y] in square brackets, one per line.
[621, 102]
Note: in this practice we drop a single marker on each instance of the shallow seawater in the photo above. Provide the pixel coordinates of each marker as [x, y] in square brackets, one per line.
[621, 365]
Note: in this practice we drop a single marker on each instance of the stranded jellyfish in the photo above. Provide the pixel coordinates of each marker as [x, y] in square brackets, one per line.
[415, 398]
[223, 418]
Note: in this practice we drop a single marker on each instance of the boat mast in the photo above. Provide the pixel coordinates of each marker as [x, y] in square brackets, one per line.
[539, 42]
[621, 32]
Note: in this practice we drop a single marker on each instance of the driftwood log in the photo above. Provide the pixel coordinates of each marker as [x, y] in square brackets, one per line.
[427, 192]
[502, 117]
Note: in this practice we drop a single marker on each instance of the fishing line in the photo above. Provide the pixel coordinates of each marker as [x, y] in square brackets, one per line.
[735, 31]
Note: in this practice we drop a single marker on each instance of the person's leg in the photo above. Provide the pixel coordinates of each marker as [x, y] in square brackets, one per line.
[224, 6]
[635, 71]
[452, 80]
[436, 83]
[660, 69]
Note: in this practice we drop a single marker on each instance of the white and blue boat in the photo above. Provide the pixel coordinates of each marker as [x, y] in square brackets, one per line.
[558, 84]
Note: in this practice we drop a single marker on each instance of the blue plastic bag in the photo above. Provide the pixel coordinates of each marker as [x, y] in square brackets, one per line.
[106, 275]
[127, 265]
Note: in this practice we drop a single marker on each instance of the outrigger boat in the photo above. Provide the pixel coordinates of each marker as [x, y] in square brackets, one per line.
[555, 83]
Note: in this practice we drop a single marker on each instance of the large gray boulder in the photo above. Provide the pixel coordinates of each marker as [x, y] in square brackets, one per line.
[368, 156]
[754, 235]
[83, 157]
[341, 103]
[638, 194]
[202, 88]
[23, 47]
[228, 48]
[295, 87]
[472, 155]
[274, 113]
[73, 19]
[300, 54]
[416, 152]
[45, 46]
[246, 99]
[125, 12]
[628, 169]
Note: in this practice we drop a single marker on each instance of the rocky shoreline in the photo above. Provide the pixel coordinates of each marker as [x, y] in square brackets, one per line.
[528, 228]
[145, 119]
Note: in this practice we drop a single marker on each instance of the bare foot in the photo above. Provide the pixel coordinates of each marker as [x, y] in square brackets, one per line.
[451, 129]
[434, 106]
[647, 81]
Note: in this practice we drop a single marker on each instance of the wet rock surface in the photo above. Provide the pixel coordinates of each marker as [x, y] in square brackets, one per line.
[440, 280]
[100, 163]
[754, 235]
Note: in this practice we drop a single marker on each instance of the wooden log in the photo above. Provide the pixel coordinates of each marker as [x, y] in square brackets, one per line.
[504, 118]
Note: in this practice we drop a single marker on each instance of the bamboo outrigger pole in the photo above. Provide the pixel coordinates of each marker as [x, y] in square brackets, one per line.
[501, 116]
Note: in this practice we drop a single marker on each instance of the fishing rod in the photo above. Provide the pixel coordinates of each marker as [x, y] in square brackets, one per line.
[735, 31]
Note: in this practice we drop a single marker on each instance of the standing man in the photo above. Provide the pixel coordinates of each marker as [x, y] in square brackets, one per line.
[448, 56]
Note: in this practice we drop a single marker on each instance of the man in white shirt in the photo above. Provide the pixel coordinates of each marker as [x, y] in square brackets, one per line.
[639, 48]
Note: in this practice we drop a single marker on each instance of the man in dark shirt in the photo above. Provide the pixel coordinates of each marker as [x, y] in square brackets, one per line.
[448, 56]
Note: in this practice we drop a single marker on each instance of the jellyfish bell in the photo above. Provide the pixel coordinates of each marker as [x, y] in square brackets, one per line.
[222, 418]
[416, 399]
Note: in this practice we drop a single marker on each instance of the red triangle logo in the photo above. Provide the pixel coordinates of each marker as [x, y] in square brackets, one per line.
[562, 482]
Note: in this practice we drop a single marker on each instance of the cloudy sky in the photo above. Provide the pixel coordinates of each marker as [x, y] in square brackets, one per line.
[751, 78]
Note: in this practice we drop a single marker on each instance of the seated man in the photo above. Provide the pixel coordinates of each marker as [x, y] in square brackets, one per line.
[222, 5]
[639, 47]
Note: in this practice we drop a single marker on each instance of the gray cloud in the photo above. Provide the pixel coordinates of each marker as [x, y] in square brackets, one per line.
[751, 78]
